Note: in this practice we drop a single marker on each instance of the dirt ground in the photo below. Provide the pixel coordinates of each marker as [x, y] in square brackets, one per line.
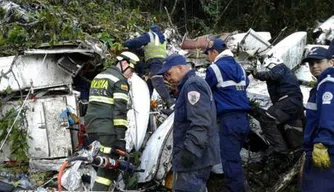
[261, 176]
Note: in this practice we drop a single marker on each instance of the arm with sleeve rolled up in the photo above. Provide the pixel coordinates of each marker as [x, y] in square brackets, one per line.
[121, 98]
[198, 114]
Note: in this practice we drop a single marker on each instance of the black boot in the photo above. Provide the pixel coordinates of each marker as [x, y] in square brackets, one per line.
[294, 136]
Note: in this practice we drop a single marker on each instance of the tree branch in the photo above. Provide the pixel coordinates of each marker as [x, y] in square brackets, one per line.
[171, 23]
[174, 7]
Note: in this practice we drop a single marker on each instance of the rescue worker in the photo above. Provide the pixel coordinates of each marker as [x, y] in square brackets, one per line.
[284, 118]
[106, 117]
[318, 170]
[154, 47]
[195, 137]
[228, 82]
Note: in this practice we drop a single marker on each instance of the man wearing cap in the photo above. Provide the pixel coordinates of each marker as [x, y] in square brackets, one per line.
[318, 171]
[106, 117]
[154, 47]
[228, 82]
[284, 118]
[195, 138]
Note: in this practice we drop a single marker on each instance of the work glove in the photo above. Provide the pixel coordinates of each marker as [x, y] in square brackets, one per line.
[320, 156]
[187, 158]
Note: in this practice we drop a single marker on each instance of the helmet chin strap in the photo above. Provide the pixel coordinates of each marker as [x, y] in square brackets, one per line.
[121, 65]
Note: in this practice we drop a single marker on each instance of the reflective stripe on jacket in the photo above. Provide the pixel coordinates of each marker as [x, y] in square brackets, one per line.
[154, 49]
[228, 82]
[320, 114]
[108, 98]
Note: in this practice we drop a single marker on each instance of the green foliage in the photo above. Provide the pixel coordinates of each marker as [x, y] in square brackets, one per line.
[114, 21]
[16, 35]
[9, 90]
[18, 136]
[54, 21]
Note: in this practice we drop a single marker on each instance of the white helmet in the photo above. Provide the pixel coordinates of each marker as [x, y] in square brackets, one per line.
[272, 59]
[130, 57]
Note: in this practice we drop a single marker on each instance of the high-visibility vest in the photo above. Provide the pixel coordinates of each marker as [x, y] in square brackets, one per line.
[154, 49]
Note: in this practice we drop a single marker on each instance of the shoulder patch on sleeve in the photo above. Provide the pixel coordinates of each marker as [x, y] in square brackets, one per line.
[327, 97]
[124, 87]
[193, 97]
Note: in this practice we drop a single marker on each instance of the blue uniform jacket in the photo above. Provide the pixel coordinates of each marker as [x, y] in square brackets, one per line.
[144, 39]
[280, 82]
[320, 113]
[195, 126]
[228, 82]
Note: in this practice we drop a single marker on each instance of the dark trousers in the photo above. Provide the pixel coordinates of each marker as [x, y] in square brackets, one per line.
[104, 177]
[157, 80]
[282, 124]
[191, 181]
[317, 179]
[233, 131]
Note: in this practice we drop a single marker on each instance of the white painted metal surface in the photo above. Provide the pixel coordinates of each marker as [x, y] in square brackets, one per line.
[152, 155]
[256, 42]
[303, 74]
[165, 158]
[138, 115]
[290, 49]
[58, 51]
[40, 71]
[327, 31]
[49, 138]
[249, 41]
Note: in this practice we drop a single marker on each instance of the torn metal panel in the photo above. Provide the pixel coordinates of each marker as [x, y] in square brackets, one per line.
[50, 138]
[165, 158]
[88, 52]
[290, 49]
[39, 71]
[88, 47]
[303, 74]
[250, 41]
[325, 31]
[152, 155]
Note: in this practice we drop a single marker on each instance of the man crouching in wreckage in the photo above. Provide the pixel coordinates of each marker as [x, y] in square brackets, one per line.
[282, 123]
[106, 116]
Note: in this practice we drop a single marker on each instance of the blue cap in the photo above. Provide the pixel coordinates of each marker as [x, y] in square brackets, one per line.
[217, 44]
[317, 53]
[171, 61]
